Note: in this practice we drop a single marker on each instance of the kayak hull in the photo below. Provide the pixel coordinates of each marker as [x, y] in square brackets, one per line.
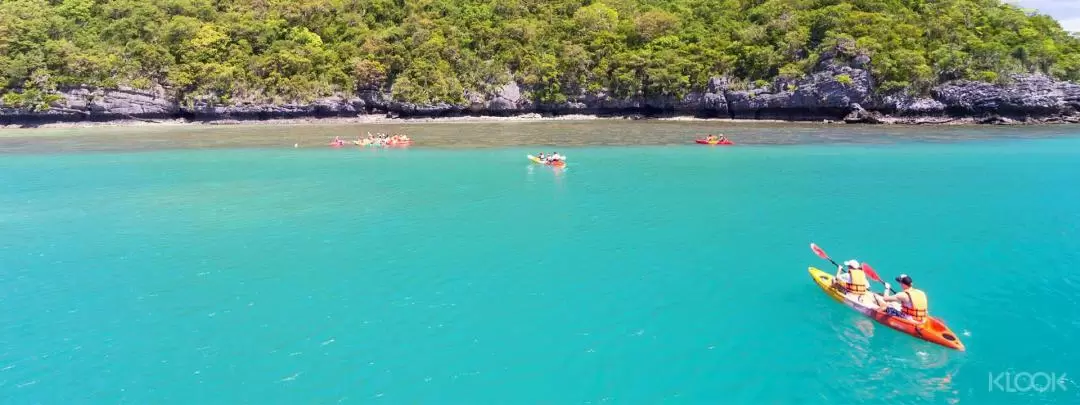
[383, 145]
[537, 160]
[932, 330]
[376, 145]
[717, 143]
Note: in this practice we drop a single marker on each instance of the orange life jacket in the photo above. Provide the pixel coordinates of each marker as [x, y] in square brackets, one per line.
[917, 310]
[857, 281]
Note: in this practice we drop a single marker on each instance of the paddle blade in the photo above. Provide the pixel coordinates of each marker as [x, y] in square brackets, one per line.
[871, 273]
[817, 250]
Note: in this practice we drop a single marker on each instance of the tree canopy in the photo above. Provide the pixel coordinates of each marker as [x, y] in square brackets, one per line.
[439, 50]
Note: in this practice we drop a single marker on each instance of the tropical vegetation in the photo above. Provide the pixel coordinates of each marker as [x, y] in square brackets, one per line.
[426, 51]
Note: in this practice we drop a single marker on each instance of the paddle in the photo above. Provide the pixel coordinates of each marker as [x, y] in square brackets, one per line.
[870, 272]
[821, 253]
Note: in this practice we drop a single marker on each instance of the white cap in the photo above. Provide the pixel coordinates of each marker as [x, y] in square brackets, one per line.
[853, 263]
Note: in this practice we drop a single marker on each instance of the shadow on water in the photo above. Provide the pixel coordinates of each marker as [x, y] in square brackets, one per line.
[499, 134]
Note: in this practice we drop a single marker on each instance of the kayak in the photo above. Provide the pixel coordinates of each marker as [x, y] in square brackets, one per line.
[555, 163]
[708, 142]
[932, 330]
[383, 145]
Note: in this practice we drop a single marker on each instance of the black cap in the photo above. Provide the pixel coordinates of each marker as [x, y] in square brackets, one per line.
[904, 279]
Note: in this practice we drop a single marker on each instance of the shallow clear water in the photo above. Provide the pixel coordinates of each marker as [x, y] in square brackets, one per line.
[466, 135]
[640, 274]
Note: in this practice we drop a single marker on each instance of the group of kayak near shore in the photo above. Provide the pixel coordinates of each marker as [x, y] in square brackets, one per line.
[382, 139]
[374, 140]
[550, 159]
[715, 140]
[906, 311]
[556, 160]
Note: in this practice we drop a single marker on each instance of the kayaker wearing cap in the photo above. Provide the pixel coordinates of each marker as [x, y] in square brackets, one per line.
[912, 300]
[853, 280]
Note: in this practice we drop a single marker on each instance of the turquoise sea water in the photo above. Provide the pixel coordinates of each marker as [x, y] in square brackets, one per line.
[641, 274]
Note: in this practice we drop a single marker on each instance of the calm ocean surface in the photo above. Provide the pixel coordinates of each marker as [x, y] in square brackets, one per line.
[649, 272]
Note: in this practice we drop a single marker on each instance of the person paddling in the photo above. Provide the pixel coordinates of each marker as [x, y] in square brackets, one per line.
[853, 280]
[913, 303]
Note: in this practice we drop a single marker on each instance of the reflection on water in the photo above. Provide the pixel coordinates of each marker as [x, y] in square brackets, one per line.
[878, 357]
[496, 134]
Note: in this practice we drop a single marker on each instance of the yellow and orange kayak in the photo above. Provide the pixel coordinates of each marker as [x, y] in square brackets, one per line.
[557, 163]
[931, 330]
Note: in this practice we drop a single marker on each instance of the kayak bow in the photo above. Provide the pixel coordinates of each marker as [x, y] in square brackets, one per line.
[932, 330]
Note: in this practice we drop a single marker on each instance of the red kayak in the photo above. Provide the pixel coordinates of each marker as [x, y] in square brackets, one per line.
[708, 142]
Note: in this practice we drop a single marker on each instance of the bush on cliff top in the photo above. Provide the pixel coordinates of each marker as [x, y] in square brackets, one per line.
[436, 50]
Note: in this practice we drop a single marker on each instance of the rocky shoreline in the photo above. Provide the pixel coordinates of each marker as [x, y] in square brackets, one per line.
[836, 93]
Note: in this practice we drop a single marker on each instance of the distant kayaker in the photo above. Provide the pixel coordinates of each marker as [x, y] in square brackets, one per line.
[913, 303]
[556, 157]
[853, 280]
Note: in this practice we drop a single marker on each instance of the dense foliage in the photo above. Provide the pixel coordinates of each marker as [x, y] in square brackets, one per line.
[285, 50]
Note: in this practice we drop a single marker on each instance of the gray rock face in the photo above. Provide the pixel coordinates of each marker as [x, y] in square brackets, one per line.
[713, 102]
[828, 94]
[82, 103]
[859, 115]
[426, 110]
[907, 106]
[834, 92]
[507, 100]
[131, 102]
[1024, 95]
[206, 109]
[708, 103]
[374, 100]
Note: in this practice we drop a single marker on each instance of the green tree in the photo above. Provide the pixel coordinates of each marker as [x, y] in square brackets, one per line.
[430, 51]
